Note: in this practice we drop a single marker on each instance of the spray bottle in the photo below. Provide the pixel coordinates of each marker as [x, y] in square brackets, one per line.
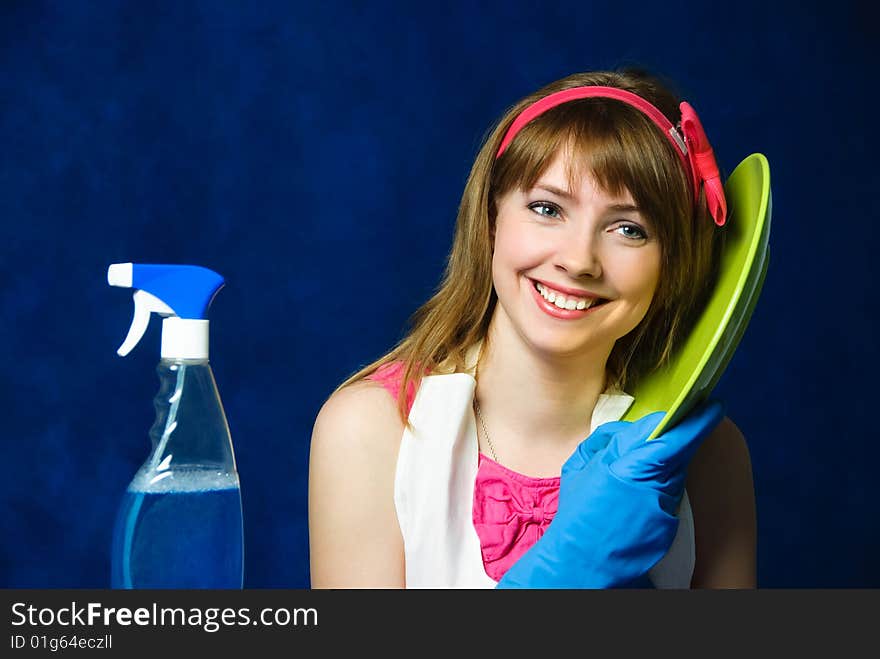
[180, 521]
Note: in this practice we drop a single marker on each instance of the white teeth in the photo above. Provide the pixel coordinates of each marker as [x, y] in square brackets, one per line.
[563, 302]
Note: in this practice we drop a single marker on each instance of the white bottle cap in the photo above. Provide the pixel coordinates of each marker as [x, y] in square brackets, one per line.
[184, 338]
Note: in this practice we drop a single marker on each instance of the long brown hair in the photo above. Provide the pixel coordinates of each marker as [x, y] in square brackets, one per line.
[623, 150]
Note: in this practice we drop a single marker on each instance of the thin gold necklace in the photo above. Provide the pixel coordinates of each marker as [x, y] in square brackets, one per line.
[485, 432]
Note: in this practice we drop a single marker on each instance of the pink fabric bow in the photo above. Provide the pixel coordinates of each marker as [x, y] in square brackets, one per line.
[511, 512]
[704, 169]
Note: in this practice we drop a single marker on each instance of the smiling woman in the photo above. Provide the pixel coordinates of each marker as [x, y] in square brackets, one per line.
[584, 247]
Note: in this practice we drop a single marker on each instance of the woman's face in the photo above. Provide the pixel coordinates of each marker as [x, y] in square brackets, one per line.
[574, 270]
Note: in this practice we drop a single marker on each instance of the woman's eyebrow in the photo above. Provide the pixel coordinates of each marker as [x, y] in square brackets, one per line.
[624, 207]
[559, 192]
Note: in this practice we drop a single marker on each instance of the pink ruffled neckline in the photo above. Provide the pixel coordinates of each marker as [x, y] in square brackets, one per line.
[522, 478]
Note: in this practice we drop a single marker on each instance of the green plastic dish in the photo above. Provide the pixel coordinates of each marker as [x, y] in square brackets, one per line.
[690, 376]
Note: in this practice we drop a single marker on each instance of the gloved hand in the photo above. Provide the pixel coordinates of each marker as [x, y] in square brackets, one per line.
[617, 501]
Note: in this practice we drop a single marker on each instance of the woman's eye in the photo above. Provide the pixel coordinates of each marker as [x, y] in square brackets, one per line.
[632, 232]
[545, 209]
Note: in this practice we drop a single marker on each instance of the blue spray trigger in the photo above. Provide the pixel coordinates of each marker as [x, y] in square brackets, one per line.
[187, 289]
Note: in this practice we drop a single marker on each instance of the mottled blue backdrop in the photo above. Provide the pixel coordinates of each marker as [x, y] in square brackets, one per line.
[314, 154]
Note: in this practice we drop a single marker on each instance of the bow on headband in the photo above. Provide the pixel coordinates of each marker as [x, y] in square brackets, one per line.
[688, 138]
[704, 169]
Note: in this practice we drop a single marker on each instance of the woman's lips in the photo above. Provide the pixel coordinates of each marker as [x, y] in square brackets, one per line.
[556, 312]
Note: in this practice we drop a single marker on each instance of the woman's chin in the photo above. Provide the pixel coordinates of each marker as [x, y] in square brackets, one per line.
[564, 346]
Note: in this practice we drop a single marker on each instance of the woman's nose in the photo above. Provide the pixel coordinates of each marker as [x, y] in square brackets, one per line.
[577, 253]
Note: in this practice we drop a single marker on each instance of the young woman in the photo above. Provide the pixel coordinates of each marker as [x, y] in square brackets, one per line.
[586, 242]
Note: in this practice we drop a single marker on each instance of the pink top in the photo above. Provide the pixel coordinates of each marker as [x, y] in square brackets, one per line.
[511, 510]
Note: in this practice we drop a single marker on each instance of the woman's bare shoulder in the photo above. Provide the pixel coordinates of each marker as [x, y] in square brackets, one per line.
[360, 416]
[725, 448]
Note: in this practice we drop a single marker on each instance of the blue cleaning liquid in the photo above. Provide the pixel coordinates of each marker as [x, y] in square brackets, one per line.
[182, 531]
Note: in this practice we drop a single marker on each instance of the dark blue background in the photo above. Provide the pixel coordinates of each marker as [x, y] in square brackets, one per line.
[314, 154]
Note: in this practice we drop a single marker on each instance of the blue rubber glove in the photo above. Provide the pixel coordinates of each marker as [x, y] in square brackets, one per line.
[618, 497]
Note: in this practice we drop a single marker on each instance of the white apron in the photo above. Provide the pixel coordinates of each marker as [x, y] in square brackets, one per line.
[434, 490]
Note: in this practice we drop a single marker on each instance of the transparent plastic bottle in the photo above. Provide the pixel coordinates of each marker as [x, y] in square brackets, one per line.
[180, 521]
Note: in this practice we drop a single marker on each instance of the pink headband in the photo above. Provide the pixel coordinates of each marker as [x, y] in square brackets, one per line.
[688, 138]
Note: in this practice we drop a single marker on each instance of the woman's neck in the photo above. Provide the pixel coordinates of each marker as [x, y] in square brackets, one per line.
[537, 406]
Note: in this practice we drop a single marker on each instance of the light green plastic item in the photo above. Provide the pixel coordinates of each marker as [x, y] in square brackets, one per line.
[692, 373]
